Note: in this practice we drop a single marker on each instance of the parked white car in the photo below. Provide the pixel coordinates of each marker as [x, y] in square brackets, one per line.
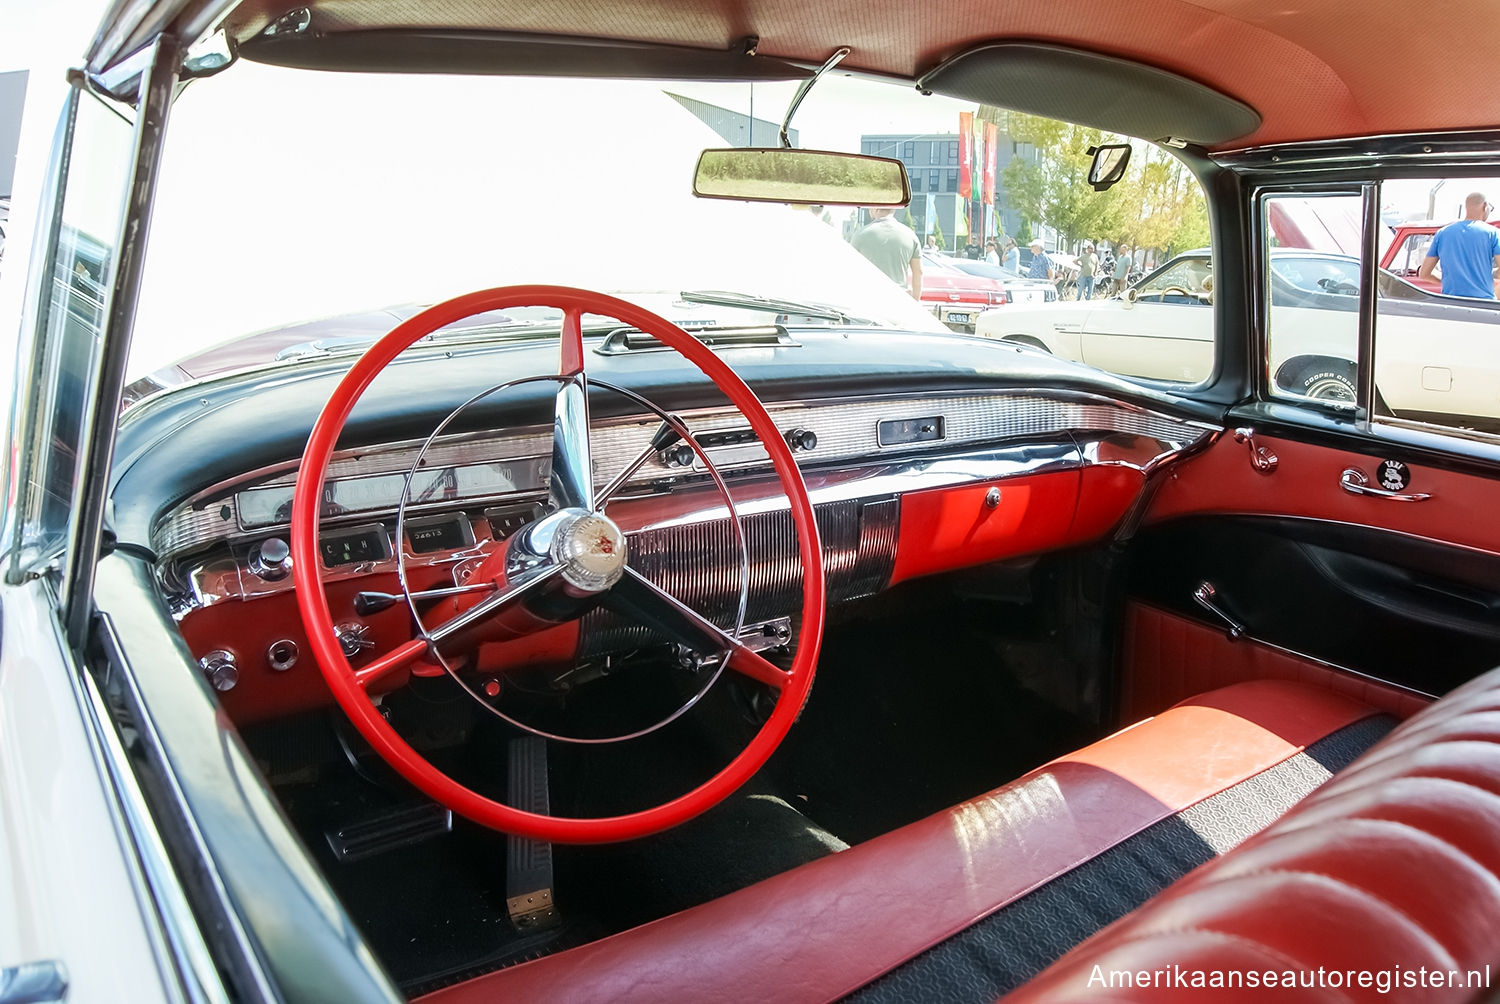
[1437, 356]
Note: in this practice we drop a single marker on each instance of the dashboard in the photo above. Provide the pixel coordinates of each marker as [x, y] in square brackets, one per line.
[903, 485]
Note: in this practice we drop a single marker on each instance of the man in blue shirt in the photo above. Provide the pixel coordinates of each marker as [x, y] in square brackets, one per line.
[1469, 251]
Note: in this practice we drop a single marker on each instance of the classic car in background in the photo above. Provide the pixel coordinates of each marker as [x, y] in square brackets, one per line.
[580, 584]
[1438, 355]
[1408, 249]
[959, 289]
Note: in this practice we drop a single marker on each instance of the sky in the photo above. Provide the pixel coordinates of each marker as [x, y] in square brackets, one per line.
[221, 190]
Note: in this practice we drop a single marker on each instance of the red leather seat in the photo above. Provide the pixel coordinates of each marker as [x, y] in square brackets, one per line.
[830, 927]
[1388, 870]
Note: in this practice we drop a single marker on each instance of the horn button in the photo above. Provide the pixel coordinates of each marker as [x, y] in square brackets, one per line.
[591, 550]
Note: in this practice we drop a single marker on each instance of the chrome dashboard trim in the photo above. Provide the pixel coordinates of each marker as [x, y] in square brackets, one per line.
[224, 575]
[847, 432]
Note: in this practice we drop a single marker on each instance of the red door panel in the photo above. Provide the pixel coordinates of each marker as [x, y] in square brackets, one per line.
[1305, 483]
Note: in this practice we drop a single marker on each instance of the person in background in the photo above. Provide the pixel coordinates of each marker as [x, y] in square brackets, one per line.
[932, 242]
[1122, 268]
[1012, 257]
[973, 250]
[1469, 251]
[1041, 265]
[892, 247]
[1104, 283]
[1087, 263]
[991, 252]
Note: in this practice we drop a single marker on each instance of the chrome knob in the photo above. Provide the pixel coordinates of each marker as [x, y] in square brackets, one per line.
[272, 559]
[220, 669]
[354, 638]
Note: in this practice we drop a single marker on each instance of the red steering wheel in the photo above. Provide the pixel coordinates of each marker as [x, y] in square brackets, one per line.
[584, 554]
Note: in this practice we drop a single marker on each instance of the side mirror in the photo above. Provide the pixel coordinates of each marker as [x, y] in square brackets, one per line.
[1110, 161]
[1129, 297]
[805, 177]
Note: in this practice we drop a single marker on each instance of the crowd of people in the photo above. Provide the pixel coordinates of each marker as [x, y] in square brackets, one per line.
[895, 249]
[1468, 251]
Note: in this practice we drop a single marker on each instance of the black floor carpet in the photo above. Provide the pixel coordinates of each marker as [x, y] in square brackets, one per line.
[908, 716]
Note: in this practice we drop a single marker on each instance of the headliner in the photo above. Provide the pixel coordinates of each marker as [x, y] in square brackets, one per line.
[1315, 70]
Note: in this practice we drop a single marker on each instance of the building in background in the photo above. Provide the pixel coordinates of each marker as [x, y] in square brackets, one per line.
[932, 162]
[736, 128]
[12, 103]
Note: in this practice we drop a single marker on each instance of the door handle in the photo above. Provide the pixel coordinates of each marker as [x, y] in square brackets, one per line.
[1354, 482]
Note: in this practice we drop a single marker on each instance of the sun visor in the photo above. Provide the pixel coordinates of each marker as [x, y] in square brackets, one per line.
[1094, 90]
[401, 50]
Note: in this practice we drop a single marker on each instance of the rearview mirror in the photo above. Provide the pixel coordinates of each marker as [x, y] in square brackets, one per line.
[801, 177]
[1109, 165]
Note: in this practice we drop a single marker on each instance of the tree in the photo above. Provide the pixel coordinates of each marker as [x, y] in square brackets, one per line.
[1023, 232]
[1157, 205]
[1053, 188]
[1162, 204]
[937, 234]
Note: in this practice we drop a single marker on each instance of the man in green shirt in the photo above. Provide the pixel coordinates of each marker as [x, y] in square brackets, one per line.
[893, 248]
[1122, 268]
[1087, 262]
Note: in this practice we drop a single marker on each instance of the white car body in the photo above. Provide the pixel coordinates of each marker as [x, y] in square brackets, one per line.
[1436, 355]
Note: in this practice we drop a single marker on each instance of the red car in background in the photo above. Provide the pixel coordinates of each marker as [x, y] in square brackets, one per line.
[957, 290]
[1408, 247]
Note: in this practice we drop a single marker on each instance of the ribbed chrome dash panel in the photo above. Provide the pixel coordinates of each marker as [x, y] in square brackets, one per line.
[859, 553]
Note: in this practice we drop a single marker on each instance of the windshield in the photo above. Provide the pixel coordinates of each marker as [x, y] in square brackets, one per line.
[290, 197]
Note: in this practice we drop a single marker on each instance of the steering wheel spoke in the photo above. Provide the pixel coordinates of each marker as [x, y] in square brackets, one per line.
[396, 659]
[642, 600]
[668, 434]
[492, 605]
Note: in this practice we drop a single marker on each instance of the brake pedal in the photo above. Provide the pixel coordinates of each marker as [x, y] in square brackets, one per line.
[528, 862]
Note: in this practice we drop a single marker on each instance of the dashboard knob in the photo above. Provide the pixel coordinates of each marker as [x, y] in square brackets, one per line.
[678, 456]
[221, 669]
[801, 440]
[272, 559]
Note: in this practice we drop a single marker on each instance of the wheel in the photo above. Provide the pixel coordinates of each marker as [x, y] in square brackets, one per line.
[1323, 381]
[574, 556]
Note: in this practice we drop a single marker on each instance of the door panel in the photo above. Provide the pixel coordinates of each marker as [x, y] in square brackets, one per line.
[1170, 657]
[1306, 483]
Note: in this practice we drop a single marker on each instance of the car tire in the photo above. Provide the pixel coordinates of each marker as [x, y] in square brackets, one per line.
[1323, 382]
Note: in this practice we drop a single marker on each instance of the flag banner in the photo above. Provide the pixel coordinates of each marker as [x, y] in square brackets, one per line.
[965, 155]
[991, 149]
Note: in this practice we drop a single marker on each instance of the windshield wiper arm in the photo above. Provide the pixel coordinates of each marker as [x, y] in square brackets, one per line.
[770, 304]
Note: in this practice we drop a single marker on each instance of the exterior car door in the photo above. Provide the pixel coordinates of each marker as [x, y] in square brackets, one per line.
[78, 902]
[1161, 330]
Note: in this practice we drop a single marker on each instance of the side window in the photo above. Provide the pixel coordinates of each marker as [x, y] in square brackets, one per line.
[1437, 335]
[1436, 344]
[1407, 252]
[1312, 269]
[1189, 280]
[65, 314]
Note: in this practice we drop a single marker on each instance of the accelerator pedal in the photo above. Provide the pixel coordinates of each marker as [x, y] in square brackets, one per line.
[528, 862]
